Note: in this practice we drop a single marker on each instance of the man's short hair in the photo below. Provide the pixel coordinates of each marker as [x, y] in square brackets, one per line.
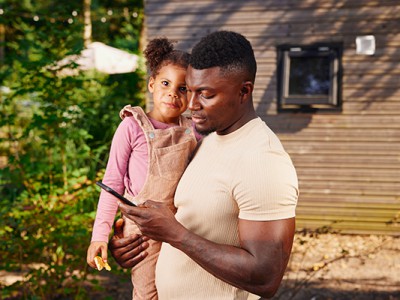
[228, 50]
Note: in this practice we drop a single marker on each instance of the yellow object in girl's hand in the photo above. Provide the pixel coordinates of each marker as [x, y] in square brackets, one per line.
[100, 264]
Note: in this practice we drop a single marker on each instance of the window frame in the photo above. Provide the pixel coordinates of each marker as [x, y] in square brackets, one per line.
[310, 103]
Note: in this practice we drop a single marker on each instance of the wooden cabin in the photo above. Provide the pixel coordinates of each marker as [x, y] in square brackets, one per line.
[328, 84]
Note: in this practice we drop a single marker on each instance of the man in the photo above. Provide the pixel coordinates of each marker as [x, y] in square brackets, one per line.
[234, 226]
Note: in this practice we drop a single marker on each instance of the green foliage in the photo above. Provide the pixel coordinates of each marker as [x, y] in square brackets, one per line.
[55, 133]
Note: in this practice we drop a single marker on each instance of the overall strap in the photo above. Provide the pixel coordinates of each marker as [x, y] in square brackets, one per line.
[140, 116]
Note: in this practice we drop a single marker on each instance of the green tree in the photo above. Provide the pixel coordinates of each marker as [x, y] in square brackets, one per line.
[55, 133]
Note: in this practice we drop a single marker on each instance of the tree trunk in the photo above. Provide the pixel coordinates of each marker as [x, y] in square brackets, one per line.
[2, 39]
[87, 32]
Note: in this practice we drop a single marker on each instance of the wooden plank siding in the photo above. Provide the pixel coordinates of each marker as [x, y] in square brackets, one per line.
[348, 162]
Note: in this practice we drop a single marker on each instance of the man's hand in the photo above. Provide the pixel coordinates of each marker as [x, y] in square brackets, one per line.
[127, 251]
[155, 220]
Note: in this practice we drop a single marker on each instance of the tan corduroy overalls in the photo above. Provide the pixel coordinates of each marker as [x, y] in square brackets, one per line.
[169, 152]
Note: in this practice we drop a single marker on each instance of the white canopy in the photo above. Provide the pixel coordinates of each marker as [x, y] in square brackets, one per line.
[103, 58]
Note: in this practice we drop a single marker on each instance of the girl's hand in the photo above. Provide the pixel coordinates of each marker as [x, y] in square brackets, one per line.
[94, 249]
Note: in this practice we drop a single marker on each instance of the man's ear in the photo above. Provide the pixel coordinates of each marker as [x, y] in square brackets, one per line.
[150, 85]
[246, 91]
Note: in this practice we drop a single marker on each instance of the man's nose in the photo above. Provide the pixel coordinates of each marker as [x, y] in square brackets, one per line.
[193, 104]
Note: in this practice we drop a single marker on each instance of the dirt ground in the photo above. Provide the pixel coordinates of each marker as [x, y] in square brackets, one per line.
[322, 267]
[333, 266]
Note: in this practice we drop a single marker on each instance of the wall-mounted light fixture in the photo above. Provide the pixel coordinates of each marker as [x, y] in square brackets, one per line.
[365, 45]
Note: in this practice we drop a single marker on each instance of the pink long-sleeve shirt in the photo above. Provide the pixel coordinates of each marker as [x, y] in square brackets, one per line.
[126, 170]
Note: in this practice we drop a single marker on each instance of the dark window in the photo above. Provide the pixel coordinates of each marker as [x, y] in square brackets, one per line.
[309, 77]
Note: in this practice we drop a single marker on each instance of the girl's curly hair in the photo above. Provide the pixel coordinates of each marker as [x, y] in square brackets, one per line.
[160, 52]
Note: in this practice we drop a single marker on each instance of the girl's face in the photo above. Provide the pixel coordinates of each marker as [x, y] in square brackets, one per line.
[169, 93]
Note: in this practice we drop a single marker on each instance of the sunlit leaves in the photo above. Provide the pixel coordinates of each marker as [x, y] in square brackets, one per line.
[55, 133]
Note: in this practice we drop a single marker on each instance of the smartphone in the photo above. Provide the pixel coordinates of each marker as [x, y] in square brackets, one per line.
[111, 191]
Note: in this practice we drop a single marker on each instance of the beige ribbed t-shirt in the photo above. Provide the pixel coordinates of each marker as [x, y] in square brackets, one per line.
[246, 174]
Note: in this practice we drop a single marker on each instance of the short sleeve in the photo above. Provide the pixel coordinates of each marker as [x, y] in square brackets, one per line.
[266, 186]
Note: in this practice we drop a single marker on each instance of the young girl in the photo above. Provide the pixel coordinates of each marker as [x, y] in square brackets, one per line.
[148, 155]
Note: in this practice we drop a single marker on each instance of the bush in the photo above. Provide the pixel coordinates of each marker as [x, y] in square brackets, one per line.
[54, 142]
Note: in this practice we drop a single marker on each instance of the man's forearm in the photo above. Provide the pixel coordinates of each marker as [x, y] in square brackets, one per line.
[233, 265]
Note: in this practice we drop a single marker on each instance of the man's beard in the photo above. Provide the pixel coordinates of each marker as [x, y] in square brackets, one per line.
[205, 132]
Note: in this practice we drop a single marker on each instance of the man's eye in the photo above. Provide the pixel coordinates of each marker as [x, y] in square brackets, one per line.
[206, 96]
[183, 89]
